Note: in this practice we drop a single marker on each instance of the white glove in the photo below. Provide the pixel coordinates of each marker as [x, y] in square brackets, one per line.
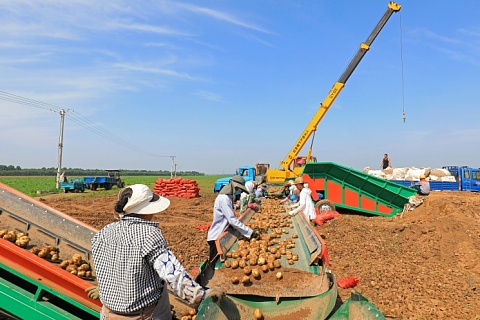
[295, 205]
[292, 212]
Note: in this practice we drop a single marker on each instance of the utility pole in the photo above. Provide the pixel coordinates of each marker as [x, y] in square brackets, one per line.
[174, 167]
[60, 147]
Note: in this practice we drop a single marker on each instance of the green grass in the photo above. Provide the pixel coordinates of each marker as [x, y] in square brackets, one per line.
[30, 185]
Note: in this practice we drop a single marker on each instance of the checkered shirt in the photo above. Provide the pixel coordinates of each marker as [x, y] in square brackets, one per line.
[124, 253]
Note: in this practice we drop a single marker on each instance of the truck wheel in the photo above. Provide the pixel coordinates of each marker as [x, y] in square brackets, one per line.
[324, 205]
[108, 186]
[94, 186]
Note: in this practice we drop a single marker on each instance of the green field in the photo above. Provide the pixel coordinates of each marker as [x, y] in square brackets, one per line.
[37, 186]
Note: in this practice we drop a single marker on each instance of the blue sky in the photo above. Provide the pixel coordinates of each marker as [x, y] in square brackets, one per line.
[221, 84]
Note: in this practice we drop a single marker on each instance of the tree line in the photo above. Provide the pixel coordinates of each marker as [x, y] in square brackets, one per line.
[10, 170]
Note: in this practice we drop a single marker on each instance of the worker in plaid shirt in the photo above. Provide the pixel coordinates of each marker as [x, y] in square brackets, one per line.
[133, 263]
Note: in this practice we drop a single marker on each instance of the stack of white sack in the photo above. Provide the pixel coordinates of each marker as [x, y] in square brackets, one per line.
[411, 174]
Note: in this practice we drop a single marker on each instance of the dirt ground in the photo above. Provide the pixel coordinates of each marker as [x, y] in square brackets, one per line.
[422, 265]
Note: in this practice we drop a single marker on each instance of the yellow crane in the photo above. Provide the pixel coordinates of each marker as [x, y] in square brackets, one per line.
[293, 164]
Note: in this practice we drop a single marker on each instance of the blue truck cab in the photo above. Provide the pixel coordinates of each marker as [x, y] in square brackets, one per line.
[247, 172]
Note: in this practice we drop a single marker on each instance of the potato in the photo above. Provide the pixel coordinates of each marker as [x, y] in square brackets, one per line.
[279, 275]
[35, 250]
[192, 312]
[245, 279]
[50, 248]
[255, 273]
[257, 314]
[295, 257]
[228, 264]
[22, 242]
[3, 232]
[271, 266]
[290, 262]
[64, 264]
[265, 268]
[76, 258]
[247, 270]
[81, 273]
[276, 264]
[261, 261]
[235, 280]
[294, 235]
[242, 263]
[20, 234]
[10, 237]
[84, 267]
[43, 253]
[71, 267]
[234, 264]
[54, 257]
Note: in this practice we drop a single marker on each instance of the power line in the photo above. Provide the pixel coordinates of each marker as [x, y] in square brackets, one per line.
[79, 119]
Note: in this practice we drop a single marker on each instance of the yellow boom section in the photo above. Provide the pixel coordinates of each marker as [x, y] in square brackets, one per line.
[279, 175]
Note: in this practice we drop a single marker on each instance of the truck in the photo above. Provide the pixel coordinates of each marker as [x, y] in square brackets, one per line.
[74, 185]
[292, 165]
[466, 179]
[249, 173]
[106, 182]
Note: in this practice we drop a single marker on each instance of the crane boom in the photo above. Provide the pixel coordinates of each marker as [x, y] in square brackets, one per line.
[325, 105]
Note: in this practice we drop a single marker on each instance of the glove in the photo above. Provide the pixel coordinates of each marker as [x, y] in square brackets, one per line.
[216, 294]
[295, 205]
[293, 212]
[92, 292]
[255, 234]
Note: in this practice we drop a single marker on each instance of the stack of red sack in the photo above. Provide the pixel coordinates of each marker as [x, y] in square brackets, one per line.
[177, 187]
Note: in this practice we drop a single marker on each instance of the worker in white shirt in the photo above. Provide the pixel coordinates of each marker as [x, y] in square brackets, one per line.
[305, 203]
[223, 216]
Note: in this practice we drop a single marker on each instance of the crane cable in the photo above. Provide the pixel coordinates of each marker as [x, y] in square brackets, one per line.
[404, 116]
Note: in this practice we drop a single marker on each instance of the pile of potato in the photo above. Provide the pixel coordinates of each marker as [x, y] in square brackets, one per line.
[189, 314]
[256, 256]
[77, 266]
[46, 252]
[19, 238]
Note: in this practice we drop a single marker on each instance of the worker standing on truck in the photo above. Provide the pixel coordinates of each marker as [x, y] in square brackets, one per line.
[223, 215]
[305, 203]
[385, 162]
[423, 186]
[133, 263]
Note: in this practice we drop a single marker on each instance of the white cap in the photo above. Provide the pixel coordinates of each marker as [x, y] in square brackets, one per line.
[144, 201]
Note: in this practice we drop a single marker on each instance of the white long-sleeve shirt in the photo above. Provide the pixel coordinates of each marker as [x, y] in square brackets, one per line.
[306, 204]
[223, 217]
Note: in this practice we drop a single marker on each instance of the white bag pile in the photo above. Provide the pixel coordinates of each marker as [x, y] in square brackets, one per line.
[411, 174]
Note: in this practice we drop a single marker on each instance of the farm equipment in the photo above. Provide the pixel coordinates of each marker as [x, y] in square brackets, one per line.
[32, 287]
[292, 165]
[113, 179]
[350, 189]
[303, 289]
[75, 185]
